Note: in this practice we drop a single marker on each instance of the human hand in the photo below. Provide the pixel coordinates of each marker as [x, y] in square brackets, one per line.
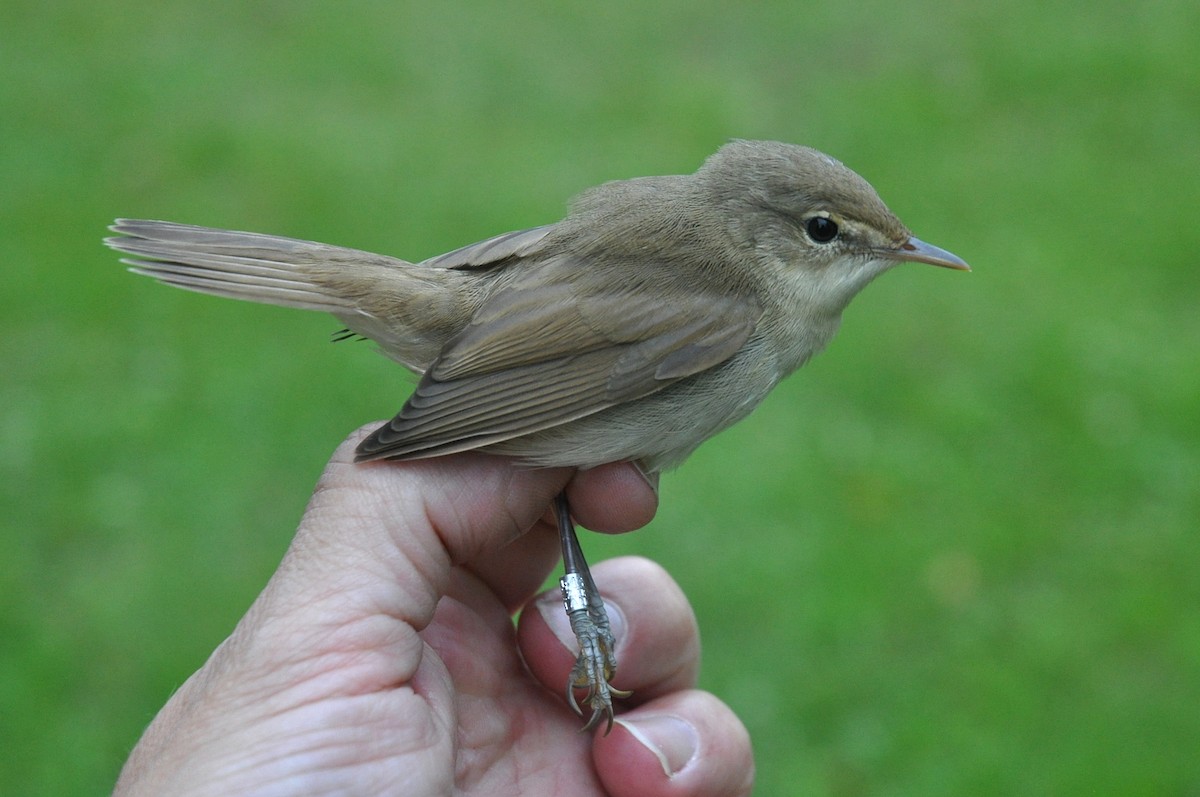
[381, 657]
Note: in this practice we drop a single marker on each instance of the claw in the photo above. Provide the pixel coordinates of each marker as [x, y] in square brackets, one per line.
[599, 695]
[593, 669]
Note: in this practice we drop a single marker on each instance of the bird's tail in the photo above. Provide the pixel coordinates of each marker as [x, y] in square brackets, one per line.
[407, 309]
[240, 265]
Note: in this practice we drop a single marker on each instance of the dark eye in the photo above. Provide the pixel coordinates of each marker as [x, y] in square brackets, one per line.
[821, 229]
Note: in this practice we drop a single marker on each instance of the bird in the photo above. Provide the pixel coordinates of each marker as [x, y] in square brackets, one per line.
[659, 311]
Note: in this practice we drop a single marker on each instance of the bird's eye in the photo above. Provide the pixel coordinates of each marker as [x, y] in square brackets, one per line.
[821, 229]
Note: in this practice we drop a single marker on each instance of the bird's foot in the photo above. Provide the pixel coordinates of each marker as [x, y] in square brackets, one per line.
[597, 662]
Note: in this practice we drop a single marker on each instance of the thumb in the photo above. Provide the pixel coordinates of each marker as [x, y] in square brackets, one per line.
[382, 537]
[342, 615]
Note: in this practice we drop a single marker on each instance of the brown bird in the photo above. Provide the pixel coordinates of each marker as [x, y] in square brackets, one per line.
[660, 311]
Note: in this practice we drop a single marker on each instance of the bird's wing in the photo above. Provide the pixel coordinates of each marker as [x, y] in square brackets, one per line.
[492, 251]
[537, 356]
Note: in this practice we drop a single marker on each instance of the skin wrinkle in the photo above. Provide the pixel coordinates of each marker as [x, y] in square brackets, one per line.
[354, 707]
[464, 515]
[482, 751]
[468, 508]
[334, 663]
[428, 553]
[479, 742]
[339, 635]
[401, 543]
[515, 571]
[294, 716]
[428, 558]
[329, 646]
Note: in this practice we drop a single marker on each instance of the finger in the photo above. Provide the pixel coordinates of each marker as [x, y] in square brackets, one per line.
[379, 541]
[516, 571]
[686, 743]
[611, 498]
[658, 642]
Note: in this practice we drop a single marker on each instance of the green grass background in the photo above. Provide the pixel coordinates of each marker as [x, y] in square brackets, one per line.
[956, 555]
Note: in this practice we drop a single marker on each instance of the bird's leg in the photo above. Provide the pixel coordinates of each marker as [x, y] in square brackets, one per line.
[589, 622]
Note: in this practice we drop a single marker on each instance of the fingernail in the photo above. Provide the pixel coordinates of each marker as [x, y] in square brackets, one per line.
[550, 607]
[650, 478]
[672, 740]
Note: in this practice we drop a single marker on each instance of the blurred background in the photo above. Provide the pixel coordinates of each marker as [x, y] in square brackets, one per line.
[956, 554]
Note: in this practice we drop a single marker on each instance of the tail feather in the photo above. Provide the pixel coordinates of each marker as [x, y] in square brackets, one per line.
[238, 265]
[402, 307]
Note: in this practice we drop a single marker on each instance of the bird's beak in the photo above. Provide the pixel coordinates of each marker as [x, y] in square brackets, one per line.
[914, 250]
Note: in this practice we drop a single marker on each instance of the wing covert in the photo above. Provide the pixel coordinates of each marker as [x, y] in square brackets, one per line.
[536, 359]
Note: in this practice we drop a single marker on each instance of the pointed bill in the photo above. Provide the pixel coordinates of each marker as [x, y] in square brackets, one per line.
[914, 250]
